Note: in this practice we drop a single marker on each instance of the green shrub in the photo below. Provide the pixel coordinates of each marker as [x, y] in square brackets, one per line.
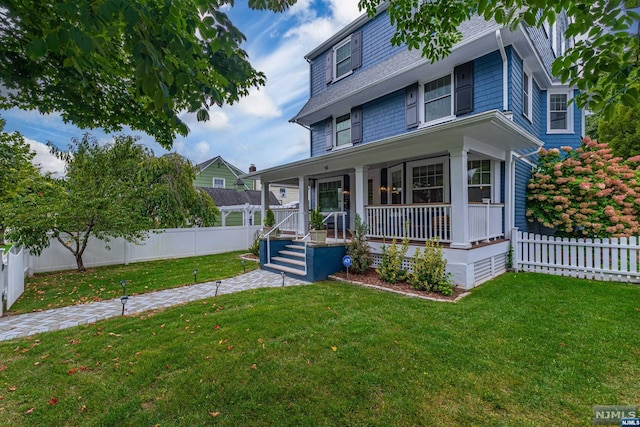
[429, 269]
[358, 248]
[255, 247]
[316, 220]
[269, 219]
[391, 270]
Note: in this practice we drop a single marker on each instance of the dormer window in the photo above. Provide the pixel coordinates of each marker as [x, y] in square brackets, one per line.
[342, 54]
[345, 57]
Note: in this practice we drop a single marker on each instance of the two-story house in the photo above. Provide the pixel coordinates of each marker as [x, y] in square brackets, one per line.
[434, 150]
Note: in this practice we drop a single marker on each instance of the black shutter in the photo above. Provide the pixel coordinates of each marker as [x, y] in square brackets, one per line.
[356, 50]
[356, 125]
[328, 134]
[411, 105]
[328, 67]
[463, 75]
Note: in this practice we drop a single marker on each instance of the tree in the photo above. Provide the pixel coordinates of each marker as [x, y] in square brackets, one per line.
[586, 193]
[622, 131]
[109, 191]
[604, 64]
[16, 168]
[108, 63]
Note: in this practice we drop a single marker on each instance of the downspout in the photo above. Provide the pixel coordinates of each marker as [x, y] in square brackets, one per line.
[505, 73]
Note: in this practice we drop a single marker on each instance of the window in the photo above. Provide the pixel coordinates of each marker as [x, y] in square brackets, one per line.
[428, 183]
[438, 102]
[218, 182]
[342, 53]
[395, 185]
[283, 192]
[559, 115]
[526, 95]
[343, 130]
[479, 180]
[330, 196]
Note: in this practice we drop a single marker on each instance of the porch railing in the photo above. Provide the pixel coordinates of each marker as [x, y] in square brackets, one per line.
[485, 221]
[429, 221]
[288, 222]
[422, 222]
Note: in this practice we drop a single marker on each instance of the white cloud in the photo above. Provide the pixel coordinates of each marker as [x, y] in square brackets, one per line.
[44, 159]
[259, 104]
[344, 11]
[218, 120]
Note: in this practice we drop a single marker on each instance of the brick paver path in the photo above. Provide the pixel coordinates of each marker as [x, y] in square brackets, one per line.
[51, 320]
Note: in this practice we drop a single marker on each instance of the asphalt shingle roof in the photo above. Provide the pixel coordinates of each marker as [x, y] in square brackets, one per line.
[231, 197]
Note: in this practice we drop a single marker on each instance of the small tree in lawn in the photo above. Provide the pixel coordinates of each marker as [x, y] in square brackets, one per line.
[587, 192]
[358, 248]
[109, 191]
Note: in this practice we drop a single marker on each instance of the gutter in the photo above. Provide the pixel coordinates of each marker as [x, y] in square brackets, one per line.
[505, 72]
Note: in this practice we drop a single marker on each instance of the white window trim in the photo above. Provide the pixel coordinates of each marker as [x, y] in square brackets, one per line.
[421, 122]
[335, 132]
[335, 61]
[569, 94]
[495, 177]
[432, 161]
[340, 190]
[213, 182]
[529, 116]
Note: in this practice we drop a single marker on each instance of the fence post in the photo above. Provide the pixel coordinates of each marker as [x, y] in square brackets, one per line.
[515, 256]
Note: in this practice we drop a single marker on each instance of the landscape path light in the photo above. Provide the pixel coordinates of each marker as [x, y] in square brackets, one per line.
[218, 283]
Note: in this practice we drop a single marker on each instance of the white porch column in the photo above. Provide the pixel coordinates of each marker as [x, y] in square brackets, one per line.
[303, 204]
[509, 179]
[264, 200]
[360, 190]
[459, 200]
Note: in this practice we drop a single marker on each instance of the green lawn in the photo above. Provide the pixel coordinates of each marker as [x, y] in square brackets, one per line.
[522, 350]
[59, 289]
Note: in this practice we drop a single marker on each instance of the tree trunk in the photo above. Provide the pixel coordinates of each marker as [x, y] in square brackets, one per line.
[80, 263]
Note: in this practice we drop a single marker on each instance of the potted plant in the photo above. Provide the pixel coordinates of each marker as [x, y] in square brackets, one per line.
[318, 233]
[269, 221]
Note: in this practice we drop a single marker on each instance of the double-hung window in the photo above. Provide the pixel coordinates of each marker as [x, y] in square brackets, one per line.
[343, 130]
[438, 100]
[330, 196]
[218, 182]
[342, 53]
[526, 94]
[559, 113]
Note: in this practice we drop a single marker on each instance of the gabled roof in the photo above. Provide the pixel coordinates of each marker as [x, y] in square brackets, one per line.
[236, 171]
[231, 197]
[403, 68]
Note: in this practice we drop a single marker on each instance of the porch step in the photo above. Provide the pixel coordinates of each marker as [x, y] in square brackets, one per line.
[298, 247]
[279, 259]
[293, 254]
[286, 269]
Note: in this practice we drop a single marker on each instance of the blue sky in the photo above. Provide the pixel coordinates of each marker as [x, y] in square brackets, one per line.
[255, 130]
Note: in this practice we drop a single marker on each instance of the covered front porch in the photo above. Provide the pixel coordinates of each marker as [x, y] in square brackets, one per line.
[450, 182]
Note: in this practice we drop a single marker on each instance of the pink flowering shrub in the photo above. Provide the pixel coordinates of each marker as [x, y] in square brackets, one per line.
[587, 192]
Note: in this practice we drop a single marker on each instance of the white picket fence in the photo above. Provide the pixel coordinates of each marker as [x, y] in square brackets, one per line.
[14, 270]
[616, 259]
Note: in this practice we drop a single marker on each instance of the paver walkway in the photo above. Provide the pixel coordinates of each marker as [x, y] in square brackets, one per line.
[66, 317]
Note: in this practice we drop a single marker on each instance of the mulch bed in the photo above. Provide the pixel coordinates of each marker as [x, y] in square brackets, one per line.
[372, 279]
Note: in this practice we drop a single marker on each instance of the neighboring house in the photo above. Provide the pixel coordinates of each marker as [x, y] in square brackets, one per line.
[239, 207]
[441, 150]
[287, 193]
[218, 173]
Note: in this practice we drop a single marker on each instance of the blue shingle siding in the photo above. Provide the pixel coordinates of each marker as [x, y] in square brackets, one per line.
[318, 139]
[516, 101]
[523, 174]
[376, 47]
[487, 83]
[383, 117]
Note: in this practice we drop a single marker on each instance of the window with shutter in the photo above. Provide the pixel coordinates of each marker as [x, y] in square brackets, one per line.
[411, 106]
[345, 57]
[438, 102]
[356, 125]
[463, 88]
